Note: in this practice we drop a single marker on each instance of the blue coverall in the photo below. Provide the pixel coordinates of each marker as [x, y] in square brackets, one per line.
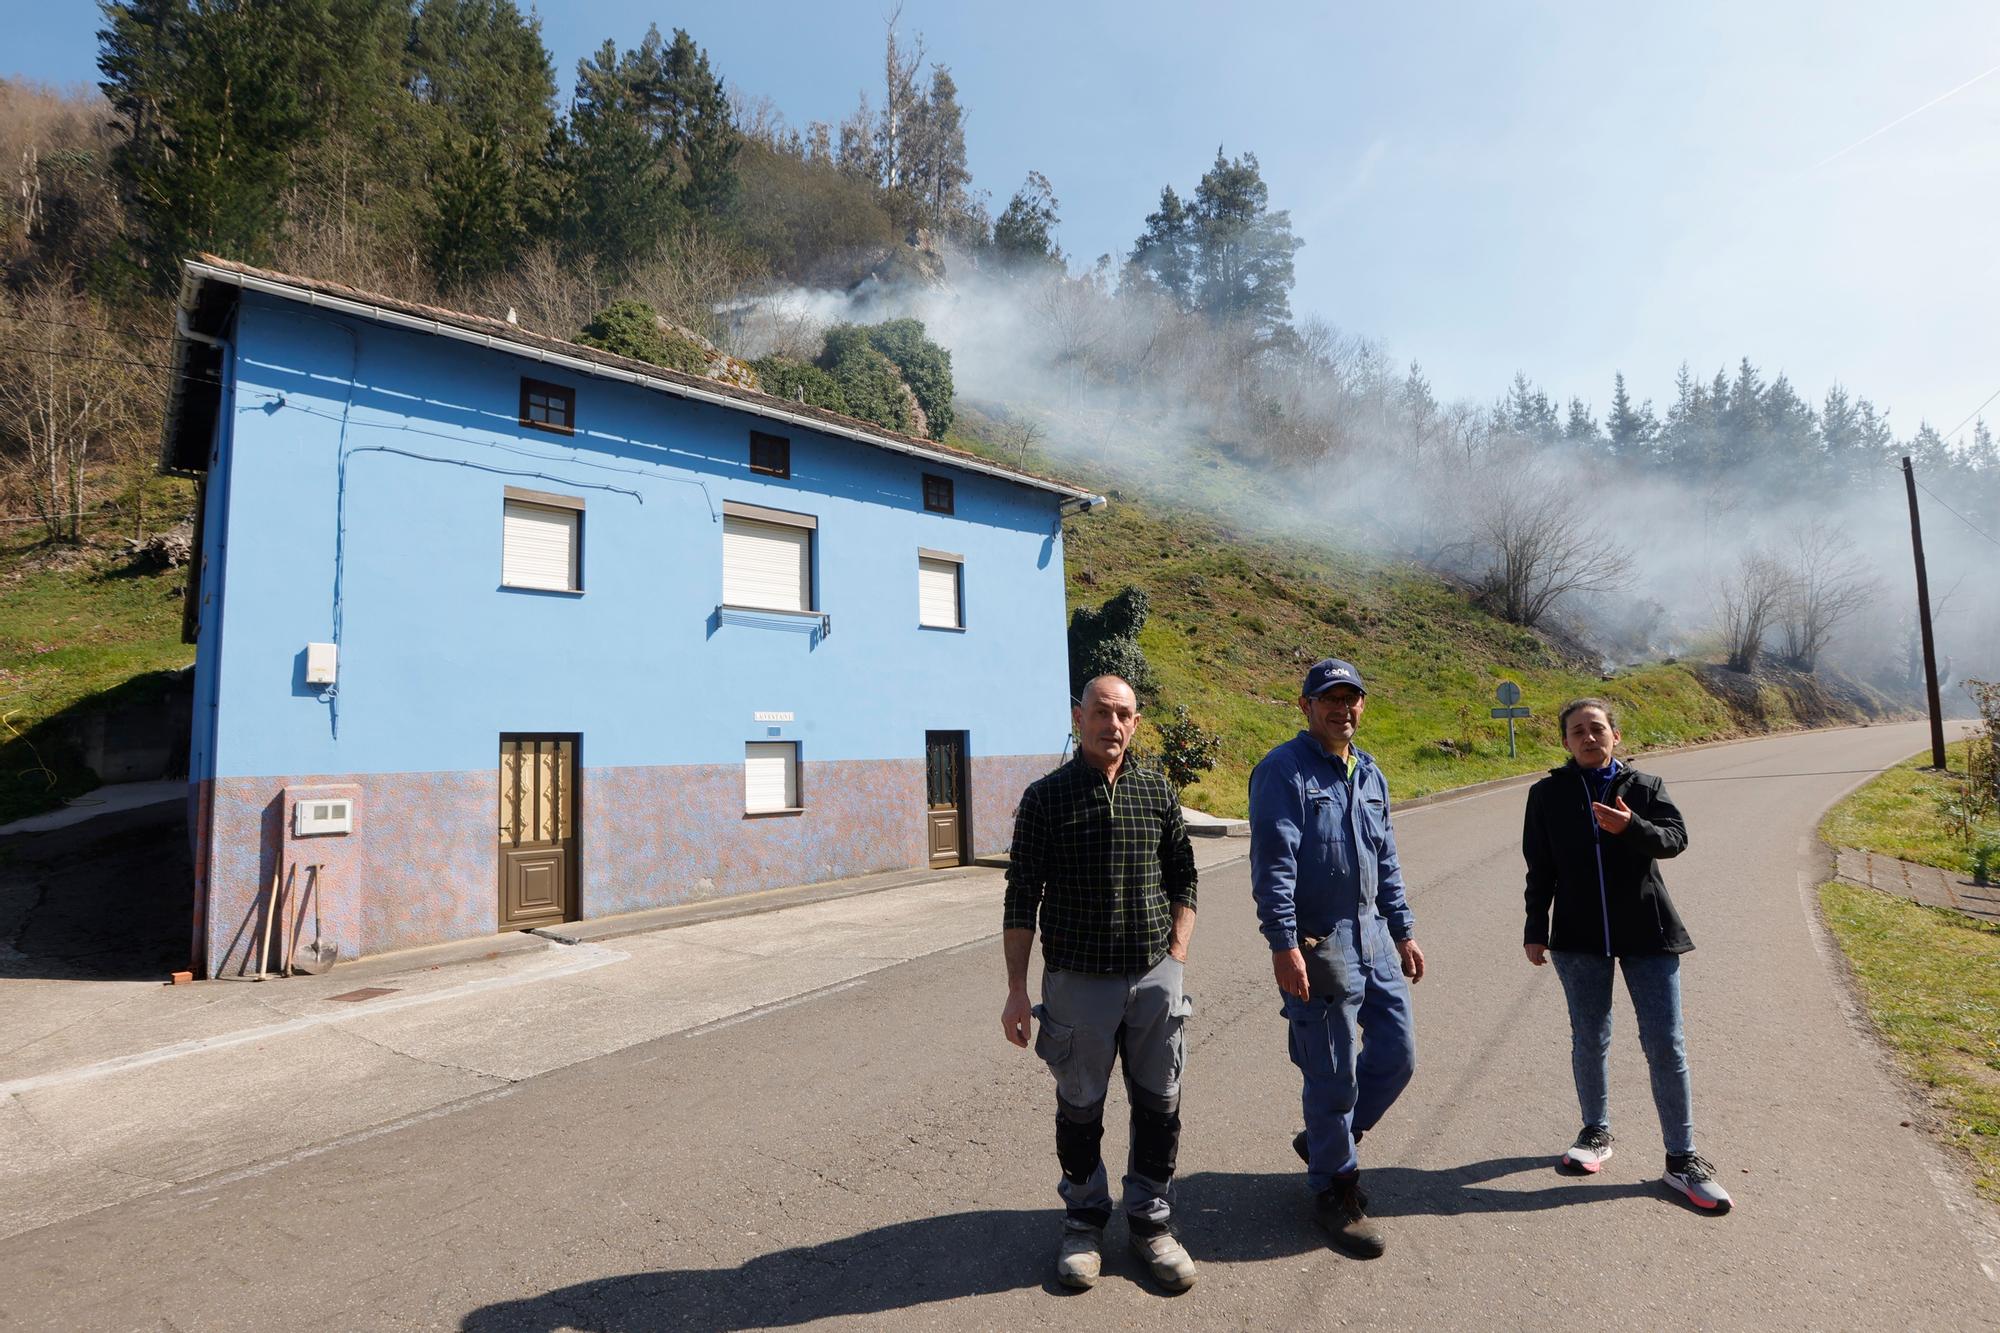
[1323, 866]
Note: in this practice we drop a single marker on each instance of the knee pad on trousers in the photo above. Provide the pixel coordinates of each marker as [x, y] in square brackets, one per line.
[1156, 1142]
[1078, 1134]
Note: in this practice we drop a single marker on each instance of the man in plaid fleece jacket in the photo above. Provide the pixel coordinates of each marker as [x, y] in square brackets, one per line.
[1102, 865]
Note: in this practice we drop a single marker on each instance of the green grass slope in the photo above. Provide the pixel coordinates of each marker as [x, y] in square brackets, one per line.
[1235, 623]
[80, 628]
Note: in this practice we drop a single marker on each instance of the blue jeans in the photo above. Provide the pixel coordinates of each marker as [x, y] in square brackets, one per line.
[1355, 1049]
[1654, 983]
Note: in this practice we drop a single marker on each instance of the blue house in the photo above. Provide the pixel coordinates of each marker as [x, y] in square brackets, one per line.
[496, 631]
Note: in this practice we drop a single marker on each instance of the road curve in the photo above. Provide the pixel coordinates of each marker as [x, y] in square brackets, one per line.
[879, 1157]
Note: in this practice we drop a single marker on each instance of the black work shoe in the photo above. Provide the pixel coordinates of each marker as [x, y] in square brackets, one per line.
[1342, 1213]
[1299, 1147]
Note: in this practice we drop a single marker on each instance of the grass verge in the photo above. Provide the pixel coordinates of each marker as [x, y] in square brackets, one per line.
[1898, 814]
[1930, 980]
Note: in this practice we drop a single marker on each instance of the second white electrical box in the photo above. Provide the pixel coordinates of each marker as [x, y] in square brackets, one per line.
[334, 815]
[321, 663]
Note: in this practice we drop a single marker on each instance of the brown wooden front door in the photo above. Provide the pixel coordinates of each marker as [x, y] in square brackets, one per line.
[537, 831]
[945, 790]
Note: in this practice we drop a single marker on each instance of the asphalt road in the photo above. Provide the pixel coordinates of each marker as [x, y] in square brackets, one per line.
[877, 1156]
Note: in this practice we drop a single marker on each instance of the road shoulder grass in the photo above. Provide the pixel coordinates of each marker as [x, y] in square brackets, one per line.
[1929, 978]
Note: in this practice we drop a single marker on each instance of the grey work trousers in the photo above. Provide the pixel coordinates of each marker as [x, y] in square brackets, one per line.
[1087, 1021]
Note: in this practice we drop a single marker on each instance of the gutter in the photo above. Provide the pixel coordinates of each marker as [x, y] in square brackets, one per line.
[598, 370]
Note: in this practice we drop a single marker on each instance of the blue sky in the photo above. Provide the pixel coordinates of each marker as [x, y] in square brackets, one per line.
[1567, 189]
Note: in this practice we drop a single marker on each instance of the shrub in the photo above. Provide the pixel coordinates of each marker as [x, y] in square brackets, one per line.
[632, 328]
[1186, 750]
[868, 380]
[782, 377]
[924, 365]
[1105, 641]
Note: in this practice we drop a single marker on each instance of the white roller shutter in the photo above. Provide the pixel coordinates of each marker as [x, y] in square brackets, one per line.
[937, 592]
[770, 776]
[538, 547]
[766, 565]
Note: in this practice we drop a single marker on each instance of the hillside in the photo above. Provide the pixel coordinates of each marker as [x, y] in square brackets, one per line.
[1236, 618]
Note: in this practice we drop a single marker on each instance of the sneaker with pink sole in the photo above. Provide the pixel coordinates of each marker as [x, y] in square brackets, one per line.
[1590, 1152]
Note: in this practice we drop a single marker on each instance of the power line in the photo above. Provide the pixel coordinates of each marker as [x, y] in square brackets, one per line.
[1955, 514]
[87, 356]
[1953, 432]
[81, 356]
[94, 328]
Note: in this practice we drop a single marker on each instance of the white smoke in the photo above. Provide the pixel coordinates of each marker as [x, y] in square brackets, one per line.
[1124, 393]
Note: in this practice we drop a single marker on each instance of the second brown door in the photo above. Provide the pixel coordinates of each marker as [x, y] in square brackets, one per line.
[944, 781]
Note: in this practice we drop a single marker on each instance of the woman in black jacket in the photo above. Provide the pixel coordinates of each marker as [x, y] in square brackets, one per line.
[1595, 833]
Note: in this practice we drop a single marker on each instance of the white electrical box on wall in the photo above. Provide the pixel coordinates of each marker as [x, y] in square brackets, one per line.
[321, 663]
[333, 815]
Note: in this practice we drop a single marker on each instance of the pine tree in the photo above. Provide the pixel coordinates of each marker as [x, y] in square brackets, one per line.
[1632, 435]
[938, 168]
[1528, 412]
[1580, 427]
[1243, 273]
[619, 177]
[691, 107]
[481, 111]
[1164, 255]
[1024, 235]
[223, 105]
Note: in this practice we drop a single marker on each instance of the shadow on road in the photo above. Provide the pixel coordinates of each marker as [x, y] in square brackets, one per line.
[1224, 1217]
[890, 1268]
[107, 900]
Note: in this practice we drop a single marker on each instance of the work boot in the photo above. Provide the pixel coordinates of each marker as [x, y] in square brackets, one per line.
[1165, 1259]
[1078, 1261]
[1342, 1213]
[1305, 1155]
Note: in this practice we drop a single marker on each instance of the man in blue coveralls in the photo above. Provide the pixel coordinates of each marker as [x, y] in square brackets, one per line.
[1330, 898]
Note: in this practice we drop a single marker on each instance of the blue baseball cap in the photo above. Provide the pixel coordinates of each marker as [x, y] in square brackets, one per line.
[1328, 672]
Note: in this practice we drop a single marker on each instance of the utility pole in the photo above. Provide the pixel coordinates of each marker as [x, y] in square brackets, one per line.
[1924, 621]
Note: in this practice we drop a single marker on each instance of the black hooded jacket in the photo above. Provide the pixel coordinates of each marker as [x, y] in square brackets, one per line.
[1623, 910]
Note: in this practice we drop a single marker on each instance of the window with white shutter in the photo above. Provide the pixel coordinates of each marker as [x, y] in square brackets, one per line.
[766, 559]
[770, 777]
[541, 541]
[940, 591]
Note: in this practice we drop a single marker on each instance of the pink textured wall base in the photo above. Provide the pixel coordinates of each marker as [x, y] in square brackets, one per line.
[422, 864]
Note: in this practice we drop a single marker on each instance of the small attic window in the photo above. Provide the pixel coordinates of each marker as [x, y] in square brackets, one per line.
[770, 454]
[938, 494]
[549, 407]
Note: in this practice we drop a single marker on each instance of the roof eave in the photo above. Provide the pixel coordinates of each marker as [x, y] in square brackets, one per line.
[197, 272]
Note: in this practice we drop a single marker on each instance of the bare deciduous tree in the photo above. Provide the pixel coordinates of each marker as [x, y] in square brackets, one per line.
[1829, 583]
[697, 273]
[1537, 543]
[72, 393]
[1748, 601]
[545, 294]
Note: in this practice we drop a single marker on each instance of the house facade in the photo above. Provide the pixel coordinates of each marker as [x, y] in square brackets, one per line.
[495, 631]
